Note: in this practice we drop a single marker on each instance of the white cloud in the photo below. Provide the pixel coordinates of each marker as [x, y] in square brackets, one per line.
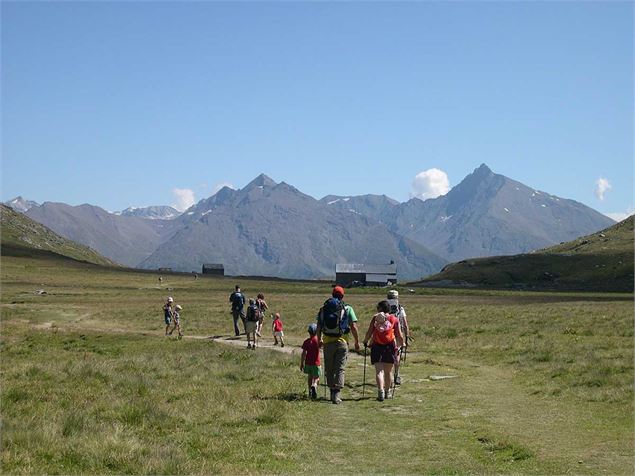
[619, 216]
[602, 186]
[184, 198]
[220, 185]
[430, 183]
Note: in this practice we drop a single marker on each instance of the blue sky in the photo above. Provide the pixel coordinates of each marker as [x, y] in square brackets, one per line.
[119, 104]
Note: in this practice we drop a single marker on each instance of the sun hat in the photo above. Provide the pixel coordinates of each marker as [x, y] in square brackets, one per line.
[178, 307]
[393, 294]
[170, 299]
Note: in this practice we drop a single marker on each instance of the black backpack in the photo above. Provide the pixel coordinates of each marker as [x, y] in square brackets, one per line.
[237, 301]
[334, 318]
[253, 313]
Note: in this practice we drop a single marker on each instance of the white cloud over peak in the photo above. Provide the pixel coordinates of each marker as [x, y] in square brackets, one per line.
[220, 185]
[430, 183]
[184, 198]
[602, 186]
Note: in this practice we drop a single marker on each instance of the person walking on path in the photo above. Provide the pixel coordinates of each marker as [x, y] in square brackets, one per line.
[386, 335]
[396, 309]
[262, 305]
[276, 329]
[167, 314]
[310, 360]
[237, 298]
[335, 321]
[177, 320]
[251, 323]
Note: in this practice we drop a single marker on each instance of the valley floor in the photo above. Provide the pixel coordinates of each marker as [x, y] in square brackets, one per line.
[543, 382]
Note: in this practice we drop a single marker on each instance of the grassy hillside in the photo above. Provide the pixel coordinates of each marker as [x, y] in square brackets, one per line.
[543, 382]
[23, 237]
[602, 261]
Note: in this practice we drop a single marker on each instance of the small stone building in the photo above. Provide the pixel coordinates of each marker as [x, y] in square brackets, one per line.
[217, 269]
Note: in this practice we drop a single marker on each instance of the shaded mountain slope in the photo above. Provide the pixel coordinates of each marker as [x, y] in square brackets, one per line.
[19, 234]
[602, 261]
[126, 240]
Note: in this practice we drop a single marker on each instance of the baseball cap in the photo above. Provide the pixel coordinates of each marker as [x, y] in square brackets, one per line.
[338, 291]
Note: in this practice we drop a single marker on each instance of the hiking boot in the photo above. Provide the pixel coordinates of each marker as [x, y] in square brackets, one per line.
[282, 345]
[397, 380]
[313, 393]
[380, 395]
[335, 397]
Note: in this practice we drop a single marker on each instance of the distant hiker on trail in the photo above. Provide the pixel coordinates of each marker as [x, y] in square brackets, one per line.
[397, 309]
[335, 321]
[385, 330]
[251, 323]
[167, 314]
[310, 360]
[237, 298]
[262, 305]
[276, 329]
[177, 320]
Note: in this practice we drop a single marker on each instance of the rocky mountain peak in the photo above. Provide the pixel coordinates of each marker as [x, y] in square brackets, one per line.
[261, 180]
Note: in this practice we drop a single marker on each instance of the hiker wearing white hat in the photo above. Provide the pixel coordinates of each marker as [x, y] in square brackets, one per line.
[177, 320]
[167, 313]
[398, 310]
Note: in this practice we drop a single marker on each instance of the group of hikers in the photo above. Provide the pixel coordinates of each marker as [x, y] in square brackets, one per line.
[387, 337]
[253, 319]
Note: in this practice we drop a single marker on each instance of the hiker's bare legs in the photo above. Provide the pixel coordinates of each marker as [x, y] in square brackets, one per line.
[388, 377]
[379, 375]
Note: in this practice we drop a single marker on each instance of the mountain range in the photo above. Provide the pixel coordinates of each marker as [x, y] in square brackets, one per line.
[273, 229]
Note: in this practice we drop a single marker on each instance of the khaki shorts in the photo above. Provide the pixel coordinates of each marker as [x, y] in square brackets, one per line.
[250, 326]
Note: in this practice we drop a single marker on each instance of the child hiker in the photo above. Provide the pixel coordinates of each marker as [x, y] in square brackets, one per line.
[167, 314]
[276, 328]
[177, 320]
[310, 360]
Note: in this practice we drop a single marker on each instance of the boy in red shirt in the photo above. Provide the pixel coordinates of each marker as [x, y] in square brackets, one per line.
[310, 360]
[276, 328]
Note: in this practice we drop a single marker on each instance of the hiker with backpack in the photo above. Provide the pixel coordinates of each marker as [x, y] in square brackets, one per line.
[384, 336]
[335, 321]
[251, 323]
[396, 309]
[237, 298]
[262, 305]
[167, 314]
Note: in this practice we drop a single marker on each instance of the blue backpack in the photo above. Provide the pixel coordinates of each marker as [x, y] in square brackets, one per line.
[333, 318]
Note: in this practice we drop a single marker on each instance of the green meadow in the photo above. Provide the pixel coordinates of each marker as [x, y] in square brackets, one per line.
[543, 382]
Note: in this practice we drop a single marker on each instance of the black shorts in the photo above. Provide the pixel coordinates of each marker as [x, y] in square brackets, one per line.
[383, 353]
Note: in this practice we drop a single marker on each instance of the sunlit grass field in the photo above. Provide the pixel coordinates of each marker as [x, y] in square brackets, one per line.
[544, 382]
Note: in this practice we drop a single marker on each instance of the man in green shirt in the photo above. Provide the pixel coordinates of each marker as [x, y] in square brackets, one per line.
[336, 321]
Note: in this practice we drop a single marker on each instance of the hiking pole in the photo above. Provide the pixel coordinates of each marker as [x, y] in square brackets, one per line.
[323, 374]
[364, 384]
